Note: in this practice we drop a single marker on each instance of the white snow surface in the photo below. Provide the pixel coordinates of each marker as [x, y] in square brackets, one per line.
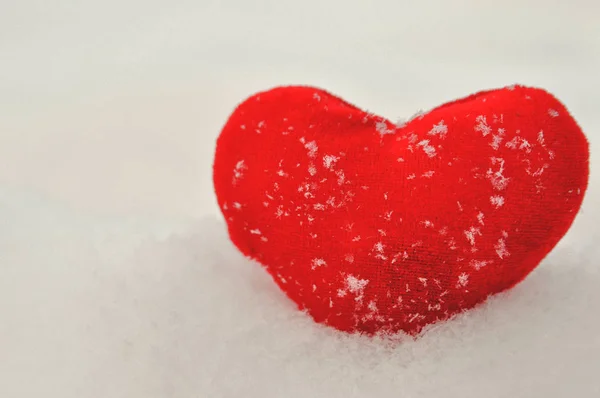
[117, 278]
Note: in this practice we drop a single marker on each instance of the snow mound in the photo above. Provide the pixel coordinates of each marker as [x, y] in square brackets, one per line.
[97, 307]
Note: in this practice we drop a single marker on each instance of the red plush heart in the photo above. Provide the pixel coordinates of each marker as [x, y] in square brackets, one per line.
[375, 227]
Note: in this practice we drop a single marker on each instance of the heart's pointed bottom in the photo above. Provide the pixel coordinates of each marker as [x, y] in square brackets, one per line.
[375, 228]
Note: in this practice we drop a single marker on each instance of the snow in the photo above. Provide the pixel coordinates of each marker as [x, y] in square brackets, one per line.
[117, 278]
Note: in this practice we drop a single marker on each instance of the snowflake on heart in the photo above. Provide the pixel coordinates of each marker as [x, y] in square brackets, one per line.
[376, 227]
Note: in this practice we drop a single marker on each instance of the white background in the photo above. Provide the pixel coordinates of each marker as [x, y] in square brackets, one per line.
[109, 111]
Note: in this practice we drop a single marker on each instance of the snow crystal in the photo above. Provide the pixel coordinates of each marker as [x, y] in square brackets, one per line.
[478, 264]
[317, 262]
[428, 149]
[237, 205]
[329, 161]
[520, 143]
[341, 177]
[356, 286]
[255, 231]
[501, 250]
[480, 218]
[540, 137]
[397, 256]
[412, 317]
[439, 129]
[427, 224]
[417, 115]
[312, 149]
[379, 251]
[497, 139]
[471, 233]
[463, 280]
[428, 174]
[497, 201]
[238, 171]
[279, 212]
[498, 180]
[482, 125]
[382, 128]
[553, 112]
[372, 306]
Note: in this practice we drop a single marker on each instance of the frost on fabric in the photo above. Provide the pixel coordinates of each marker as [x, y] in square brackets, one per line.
[479, 157]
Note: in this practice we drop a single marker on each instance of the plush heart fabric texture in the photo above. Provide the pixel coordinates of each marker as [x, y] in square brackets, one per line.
[376, 227]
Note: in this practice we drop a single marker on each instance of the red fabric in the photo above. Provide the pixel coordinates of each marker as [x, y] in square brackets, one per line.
[372, 227]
